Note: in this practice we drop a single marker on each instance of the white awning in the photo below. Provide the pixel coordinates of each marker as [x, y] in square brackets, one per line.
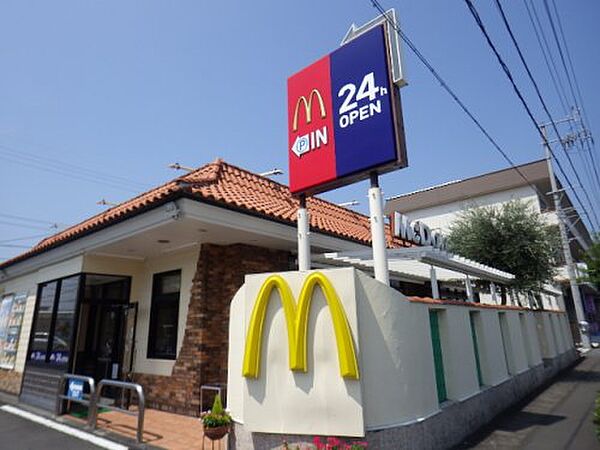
[417, 262]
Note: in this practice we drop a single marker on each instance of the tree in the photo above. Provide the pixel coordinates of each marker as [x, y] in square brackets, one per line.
[513, 237]
[592, 260]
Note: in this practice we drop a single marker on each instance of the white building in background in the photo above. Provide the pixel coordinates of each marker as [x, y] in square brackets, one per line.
[440, 206]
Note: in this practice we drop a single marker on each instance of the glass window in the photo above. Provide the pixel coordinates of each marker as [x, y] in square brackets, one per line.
[164, 315]
[43, 322]
[65, 320]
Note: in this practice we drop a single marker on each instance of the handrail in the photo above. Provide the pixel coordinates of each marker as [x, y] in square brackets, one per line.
[123, 385]
[60, 396]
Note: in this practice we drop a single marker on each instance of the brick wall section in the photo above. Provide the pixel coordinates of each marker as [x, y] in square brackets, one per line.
[10, 381]
[202, 358]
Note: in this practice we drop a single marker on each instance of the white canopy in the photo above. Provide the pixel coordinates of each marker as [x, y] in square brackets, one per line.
[416, 263]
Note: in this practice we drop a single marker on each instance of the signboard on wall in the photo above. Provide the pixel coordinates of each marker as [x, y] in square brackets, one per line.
[344, 116]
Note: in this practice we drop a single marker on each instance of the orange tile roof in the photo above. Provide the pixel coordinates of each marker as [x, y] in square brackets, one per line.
[225, 185]
[437, 301]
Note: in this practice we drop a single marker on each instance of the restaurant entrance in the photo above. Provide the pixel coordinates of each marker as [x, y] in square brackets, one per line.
[83, 324]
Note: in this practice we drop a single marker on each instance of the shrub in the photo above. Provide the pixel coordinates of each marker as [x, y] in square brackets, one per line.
[217, 416]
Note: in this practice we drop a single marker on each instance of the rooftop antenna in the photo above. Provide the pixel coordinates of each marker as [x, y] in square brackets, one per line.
[272, 172]
[350, 203]
[105, 202]
[177, 166]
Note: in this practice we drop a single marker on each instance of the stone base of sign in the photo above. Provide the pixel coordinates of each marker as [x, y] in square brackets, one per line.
[10, 381]
[449, 427]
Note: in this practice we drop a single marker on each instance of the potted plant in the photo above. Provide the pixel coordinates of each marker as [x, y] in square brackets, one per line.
[217, 421]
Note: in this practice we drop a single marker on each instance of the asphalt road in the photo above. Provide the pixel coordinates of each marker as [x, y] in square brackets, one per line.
[17, 433]
[558, 418]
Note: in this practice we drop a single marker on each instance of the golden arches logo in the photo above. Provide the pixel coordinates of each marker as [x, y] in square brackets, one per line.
[296, 318]
[308, 108]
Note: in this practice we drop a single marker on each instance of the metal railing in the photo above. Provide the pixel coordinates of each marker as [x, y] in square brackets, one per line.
[122, 385]
[60, 396]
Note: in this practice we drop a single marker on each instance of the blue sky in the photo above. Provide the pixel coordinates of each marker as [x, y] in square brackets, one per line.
[96, 98]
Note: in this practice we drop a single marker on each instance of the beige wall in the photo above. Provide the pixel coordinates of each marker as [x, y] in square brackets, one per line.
[141, 273]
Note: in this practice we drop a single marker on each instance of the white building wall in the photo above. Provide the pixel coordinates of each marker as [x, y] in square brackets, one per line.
[441, 217]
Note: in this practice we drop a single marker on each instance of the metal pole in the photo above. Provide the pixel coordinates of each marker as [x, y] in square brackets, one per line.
[303, 236]
[378, 231]
[577, 302]
[435, 289]
[469, 287]
[494, 293]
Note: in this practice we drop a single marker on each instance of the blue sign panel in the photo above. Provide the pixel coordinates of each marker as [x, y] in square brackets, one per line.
[75, 389]
[364, 126]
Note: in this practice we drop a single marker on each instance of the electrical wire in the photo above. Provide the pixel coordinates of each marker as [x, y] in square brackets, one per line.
[377, 5]
[29, 219]
[24, 238]
[540, 97]
[517, 91]
[556, 80]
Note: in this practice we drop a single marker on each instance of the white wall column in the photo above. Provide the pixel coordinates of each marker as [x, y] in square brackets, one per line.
[378, 240]
[435, 289]
[303, 236]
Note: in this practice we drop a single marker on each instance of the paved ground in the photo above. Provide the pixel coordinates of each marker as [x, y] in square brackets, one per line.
[17, 433]
[558, 418]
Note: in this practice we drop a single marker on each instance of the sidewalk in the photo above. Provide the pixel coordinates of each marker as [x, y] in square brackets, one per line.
[558, 418]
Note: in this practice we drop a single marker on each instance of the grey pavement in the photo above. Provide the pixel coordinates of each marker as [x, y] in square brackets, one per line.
[558, 418]
[17, 433]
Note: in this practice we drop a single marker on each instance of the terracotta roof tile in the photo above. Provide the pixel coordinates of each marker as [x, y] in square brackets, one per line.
[230, 186]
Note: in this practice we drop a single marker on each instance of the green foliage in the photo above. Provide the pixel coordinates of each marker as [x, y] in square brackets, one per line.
[592, 259]
[217, 416]
[513, 238]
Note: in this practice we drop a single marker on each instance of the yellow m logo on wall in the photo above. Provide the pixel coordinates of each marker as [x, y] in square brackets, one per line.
[296, 319]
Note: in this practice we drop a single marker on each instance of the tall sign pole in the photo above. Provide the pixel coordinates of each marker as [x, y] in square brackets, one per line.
[378, 238]
[564, 238]
[303, 235]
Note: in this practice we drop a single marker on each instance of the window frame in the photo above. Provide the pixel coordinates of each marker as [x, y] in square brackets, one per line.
[155, 303]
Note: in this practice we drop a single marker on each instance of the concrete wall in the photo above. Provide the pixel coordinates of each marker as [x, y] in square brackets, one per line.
[397, 376]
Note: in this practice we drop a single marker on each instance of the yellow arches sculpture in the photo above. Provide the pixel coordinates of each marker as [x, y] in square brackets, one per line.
[296, 318]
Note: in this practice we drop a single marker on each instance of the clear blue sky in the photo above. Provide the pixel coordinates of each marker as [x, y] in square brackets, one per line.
[124, 88]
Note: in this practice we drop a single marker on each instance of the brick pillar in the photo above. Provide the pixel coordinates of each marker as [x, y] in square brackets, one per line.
[202, 358]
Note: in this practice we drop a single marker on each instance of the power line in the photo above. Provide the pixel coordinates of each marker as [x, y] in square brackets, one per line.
[508, 73]
[14, 156]
[24, 238]
[28, 219]
[547, 56]
[540, 97]
[21, 225]
[585, 123]
[459, 102]
[556, 80]
[79, 169]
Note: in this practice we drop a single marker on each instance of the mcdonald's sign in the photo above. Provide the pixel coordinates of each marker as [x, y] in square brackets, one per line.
[344, 117]
[296, 319]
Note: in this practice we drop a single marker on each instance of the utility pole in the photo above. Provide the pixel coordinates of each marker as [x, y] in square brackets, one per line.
[564, 238]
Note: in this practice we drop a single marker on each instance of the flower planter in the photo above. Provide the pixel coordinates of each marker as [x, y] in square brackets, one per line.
[216, 433]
